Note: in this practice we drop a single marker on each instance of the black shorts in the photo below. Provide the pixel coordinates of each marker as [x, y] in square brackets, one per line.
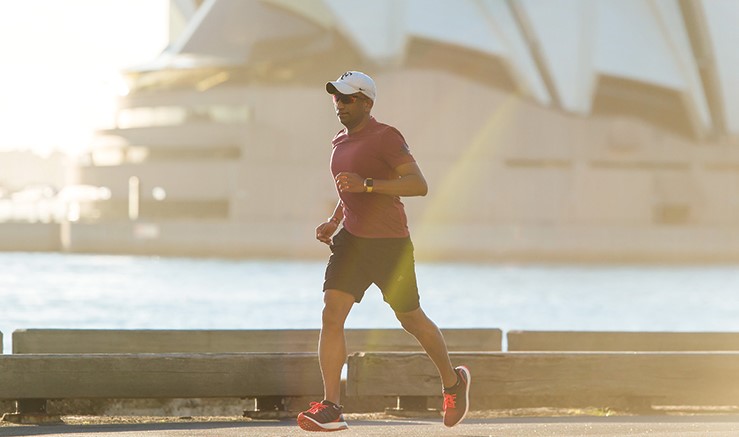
[356, 263]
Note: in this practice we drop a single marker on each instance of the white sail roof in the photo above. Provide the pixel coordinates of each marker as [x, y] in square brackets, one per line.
[554, 52]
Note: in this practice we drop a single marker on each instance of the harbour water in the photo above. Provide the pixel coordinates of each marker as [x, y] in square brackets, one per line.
[51, 290]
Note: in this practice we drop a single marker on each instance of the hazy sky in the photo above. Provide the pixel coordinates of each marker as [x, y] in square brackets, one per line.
[60, 63]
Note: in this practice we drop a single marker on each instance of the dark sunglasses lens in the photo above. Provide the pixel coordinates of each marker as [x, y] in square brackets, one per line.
[344, 99]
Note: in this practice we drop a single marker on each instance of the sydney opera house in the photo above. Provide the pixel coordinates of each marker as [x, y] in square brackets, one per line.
[586, 130]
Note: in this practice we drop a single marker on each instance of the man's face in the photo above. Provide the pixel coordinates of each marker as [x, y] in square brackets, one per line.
[351, 109]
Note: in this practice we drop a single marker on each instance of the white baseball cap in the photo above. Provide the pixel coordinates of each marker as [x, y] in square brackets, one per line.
[353, 82]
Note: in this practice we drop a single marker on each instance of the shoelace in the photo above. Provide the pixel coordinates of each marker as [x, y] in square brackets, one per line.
[450, 401]
[315, 407]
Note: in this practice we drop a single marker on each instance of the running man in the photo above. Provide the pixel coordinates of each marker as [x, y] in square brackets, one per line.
[372, 168]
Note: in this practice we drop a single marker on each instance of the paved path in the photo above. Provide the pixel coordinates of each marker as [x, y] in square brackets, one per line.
[662, 426]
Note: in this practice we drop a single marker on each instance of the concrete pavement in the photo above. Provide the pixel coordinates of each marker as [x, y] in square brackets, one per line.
[659, 426]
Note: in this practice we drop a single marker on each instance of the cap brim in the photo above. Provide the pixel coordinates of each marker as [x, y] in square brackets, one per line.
[339, 88]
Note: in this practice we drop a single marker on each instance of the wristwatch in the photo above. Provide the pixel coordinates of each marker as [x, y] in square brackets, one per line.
[369, 185]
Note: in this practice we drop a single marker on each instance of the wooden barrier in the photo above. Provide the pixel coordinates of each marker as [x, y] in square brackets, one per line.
[546, 379]
[603, 341]
[80, 341]
[32, 379]
[1, 342]
[81, 352]
[158, 375]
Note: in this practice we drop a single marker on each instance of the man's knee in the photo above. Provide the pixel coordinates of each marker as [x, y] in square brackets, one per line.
[336, 307]
[331, 317]
[413, 321]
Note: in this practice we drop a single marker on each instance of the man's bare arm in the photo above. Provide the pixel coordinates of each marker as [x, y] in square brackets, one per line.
[409, 183]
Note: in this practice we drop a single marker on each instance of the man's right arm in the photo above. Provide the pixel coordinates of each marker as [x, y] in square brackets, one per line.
[326, 230]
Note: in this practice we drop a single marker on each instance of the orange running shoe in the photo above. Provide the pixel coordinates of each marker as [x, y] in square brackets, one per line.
[457, 398]
[322, 416]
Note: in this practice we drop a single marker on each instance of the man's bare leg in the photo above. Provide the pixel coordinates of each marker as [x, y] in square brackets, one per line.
[332, 344]
[429, 336]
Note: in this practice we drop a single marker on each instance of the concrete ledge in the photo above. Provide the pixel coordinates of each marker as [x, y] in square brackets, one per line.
[79, 341]
[545, 379]
[622, 341]
[30, 237]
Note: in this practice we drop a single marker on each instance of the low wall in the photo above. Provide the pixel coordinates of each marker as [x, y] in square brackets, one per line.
[437, 242]
[197, 238]
[634, 381]
[469, 242]
[603, 341]
[30, 237]
[98, 379]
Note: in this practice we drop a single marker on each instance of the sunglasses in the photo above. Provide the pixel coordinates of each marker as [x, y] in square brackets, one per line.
[345, 99]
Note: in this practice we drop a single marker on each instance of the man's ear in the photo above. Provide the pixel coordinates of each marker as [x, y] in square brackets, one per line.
[368, 105]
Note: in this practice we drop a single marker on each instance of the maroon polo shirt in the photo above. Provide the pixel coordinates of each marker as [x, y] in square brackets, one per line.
[373, 152]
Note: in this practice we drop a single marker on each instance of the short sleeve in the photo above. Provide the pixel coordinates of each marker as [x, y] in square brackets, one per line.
[395, 150]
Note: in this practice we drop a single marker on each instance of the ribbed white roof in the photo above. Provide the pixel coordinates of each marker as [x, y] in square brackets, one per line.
[722, 17]
[555, 51]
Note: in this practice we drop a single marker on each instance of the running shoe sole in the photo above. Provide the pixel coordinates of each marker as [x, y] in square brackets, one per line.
[309, 424]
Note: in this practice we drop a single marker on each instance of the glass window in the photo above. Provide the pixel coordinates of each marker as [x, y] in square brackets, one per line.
[176, 115]
[151, 116]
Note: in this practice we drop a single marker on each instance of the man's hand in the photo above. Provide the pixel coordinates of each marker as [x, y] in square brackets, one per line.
[324, 231]
[349, 182]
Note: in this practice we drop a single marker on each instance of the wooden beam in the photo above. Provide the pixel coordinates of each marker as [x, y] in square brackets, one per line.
[159, 375]
[368, 340]
[77, 341]
[80, 341]
[622, 341]
[577, 379]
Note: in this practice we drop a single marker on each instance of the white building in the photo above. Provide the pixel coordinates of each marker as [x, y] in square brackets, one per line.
[551, 130]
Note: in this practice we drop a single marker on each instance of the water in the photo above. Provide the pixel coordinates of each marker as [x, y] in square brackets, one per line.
[49, 290]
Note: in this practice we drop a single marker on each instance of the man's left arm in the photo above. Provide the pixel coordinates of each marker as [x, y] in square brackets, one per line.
[410, 182]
